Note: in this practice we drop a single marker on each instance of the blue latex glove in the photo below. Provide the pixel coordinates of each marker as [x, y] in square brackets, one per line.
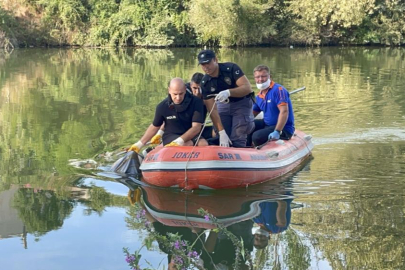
[275, 135]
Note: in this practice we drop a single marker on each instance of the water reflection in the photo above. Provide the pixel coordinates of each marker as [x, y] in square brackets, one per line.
[178, 208]
[25, 210]
[41, 210]
[221, 226]
[58, 106]
[274, 217]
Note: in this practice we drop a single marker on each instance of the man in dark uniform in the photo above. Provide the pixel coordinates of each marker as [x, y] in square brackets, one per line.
[194, 86]
[182, 114]
[226, 85]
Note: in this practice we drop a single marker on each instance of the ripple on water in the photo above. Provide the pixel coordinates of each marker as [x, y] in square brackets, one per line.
[362, 136]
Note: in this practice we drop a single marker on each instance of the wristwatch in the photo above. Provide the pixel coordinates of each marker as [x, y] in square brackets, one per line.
[279, 131]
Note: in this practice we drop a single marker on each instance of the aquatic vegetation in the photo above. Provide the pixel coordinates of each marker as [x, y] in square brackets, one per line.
[183, 255]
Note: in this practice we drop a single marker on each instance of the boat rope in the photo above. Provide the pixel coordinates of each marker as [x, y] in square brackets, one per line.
[196, 143]
[305, 143]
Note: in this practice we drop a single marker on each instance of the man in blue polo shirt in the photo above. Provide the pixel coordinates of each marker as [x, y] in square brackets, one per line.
[274, 101]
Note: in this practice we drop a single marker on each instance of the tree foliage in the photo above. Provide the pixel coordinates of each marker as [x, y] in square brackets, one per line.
[64, 19]
[227, 23]
[160, 23]
[163, 23]
[8, 25]
[324, 20]
[388, 22]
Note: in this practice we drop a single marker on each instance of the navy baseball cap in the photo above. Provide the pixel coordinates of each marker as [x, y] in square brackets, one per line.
[205, 56]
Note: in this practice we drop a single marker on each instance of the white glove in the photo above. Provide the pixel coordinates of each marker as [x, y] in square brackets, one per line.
[177, 142]
[136, 147]
[223, 96]
[224, 139]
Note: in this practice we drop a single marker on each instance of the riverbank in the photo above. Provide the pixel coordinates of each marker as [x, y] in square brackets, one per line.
[162, 24]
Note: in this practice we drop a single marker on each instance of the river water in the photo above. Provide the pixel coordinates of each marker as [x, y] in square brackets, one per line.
[65, 114]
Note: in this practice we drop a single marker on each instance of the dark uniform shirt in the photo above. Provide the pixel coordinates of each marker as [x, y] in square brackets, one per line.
[178, 118]
[229, 73]
[188, 87]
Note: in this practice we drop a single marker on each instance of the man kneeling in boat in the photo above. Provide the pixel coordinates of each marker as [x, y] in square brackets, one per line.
[193, 87]
[183, 116]
[274, 101]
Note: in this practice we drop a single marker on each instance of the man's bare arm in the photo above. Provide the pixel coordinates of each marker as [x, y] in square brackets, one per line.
[282, 117]
[149, 133]
[243, 87]
[191, 132]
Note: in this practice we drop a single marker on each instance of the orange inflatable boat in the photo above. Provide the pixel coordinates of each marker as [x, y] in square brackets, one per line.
[214, 167]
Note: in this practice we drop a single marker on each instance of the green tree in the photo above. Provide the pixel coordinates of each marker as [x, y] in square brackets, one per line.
[387, 22]
[228, 23]
[324, 21]
[64, 19]
[153, 23]
[8, 26]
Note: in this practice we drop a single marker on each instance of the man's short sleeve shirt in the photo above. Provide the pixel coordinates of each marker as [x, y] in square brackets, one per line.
[179, 121]
[277, 95]
[229, 73]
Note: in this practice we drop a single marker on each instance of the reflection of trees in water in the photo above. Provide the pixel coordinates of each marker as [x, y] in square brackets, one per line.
[285, 251]
[41, 210]
[297, 254]
[368, 232]
[88, 101]
[100, 199]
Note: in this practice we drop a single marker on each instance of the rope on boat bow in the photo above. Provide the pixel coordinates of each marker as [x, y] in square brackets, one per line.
[196, 143]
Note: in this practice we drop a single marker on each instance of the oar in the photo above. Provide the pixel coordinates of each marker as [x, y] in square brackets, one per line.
[292, 92]
[298, 90]
[260, 115]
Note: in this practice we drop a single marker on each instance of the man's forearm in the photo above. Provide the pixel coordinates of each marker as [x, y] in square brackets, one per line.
[281, 213]
[149, 133]
[191, 133]
[282, 118]
[243, 88]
